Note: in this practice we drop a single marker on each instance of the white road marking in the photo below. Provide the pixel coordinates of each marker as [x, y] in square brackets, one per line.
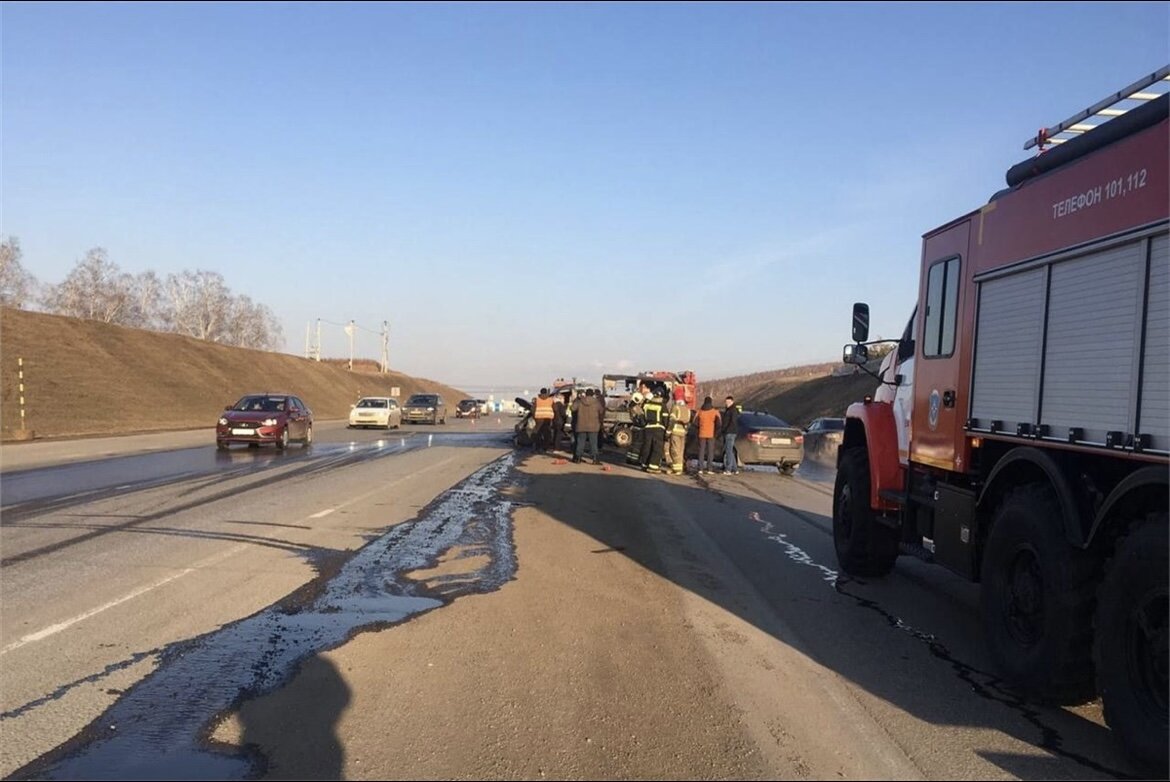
[51, 630]
[383, 487]
[40, 635]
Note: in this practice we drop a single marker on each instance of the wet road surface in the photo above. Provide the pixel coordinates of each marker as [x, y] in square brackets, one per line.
[157, 729]
[143, 583]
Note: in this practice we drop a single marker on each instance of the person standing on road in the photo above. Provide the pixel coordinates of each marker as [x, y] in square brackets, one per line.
[601, 424]
[653, 433]
[679, 419]
[588, 411]
[542, 414]
[637, 422]
[730, 430]
[709, 423]
[560, 415]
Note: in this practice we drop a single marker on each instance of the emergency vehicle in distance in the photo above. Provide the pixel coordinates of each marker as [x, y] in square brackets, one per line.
[1021, 433]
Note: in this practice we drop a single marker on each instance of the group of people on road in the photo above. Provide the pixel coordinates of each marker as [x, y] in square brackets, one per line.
[665, 425]
[711, 423]
[583, 417]
[664, 419]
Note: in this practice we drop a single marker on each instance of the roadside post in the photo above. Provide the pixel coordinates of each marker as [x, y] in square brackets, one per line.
[24, 433]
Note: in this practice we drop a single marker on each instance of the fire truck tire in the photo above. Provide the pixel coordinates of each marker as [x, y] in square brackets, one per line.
[1037, 599]
[622, 437]
[1130, 643]
[865, 547]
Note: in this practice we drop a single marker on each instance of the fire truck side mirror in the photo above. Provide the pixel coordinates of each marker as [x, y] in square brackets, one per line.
[855, 354]
[860, 322]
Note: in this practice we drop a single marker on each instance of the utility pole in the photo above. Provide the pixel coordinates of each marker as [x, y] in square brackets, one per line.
[318, 351]
[385, 346]
[349, 328]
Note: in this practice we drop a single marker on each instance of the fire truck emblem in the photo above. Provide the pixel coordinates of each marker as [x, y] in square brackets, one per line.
[935, 406]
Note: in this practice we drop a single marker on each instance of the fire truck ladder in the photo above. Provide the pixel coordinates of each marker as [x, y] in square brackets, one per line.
[1140, 91]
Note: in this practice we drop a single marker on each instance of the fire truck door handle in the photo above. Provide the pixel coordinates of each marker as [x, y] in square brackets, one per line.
[948, 398]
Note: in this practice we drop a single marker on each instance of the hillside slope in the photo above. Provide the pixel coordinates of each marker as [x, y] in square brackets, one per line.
[758, 386]
[822, 396]
[82, 377]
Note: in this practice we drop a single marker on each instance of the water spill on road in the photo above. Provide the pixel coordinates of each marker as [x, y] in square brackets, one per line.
[794, 552]
[44, 489]
[157, 730]
[986, 685]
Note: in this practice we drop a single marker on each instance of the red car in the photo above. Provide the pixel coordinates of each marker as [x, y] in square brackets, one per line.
[265, 418]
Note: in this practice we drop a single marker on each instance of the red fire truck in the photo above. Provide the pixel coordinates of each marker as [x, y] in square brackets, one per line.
[1021, 432]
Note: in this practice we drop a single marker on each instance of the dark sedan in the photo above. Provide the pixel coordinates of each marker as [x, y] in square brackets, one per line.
[424, 408]
[823, 437]
[762, 439]
[468, 408]
[265, 418]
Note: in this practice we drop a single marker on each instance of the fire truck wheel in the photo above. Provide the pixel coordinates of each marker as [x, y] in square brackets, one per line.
[1037, 599]
[622, 437]
[865, 547]
[1130, 643]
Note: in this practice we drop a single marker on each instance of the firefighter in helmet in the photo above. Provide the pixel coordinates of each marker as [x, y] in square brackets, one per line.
[638, 420]
[678, 418]
[653, 432]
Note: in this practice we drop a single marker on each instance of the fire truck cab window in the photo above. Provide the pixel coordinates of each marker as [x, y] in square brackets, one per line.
[942, 299]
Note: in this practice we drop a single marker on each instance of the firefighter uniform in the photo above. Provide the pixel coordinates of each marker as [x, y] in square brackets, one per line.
[638, 419]
[653, 434]
[679, 419]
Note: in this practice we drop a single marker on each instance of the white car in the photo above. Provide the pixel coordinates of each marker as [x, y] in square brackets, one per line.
[376, 411]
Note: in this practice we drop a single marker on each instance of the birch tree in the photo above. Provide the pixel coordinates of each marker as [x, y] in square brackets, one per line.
[197, 303]
[96, 289]
[17, 286]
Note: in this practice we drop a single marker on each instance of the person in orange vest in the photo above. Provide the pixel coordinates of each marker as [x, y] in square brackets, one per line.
[709, 423]
[542, 414]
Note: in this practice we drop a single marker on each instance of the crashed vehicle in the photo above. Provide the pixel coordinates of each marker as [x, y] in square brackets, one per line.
[568, 390]
[526, 427]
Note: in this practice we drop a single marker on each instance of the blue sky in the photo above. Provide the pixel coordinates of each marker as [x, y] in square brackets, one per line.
[526, 191]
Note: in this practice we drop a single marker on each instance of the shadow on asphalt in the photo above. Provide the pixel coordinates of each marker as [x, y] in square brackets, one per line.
[317, 752]
[827, 611]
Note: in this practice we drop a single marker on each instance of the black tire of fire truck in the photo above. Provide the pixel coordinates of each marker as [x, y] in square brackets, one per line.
[622, 437]
[865, 546]
[1130, 643]
[1037, 599]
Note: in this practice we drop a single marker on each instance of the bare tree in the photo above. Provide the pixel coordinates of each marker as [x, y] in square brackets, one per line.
[17, 286]
[252, 325]
[96, 289]
[146, 304]
[198, 304]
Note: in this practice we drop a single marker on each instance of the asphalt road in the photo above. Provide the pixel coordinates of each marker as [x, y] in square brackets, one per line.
[106, 564]
[535, 617]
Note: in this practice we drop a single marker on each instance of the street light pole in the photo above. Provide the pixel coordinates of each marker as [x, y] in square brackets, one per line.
[385, 346]
[349, 330]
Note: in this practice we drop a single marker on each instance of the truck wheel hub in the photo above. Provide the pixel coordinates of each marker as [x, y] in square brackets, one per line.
[1149, 646]
[1025, 605]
